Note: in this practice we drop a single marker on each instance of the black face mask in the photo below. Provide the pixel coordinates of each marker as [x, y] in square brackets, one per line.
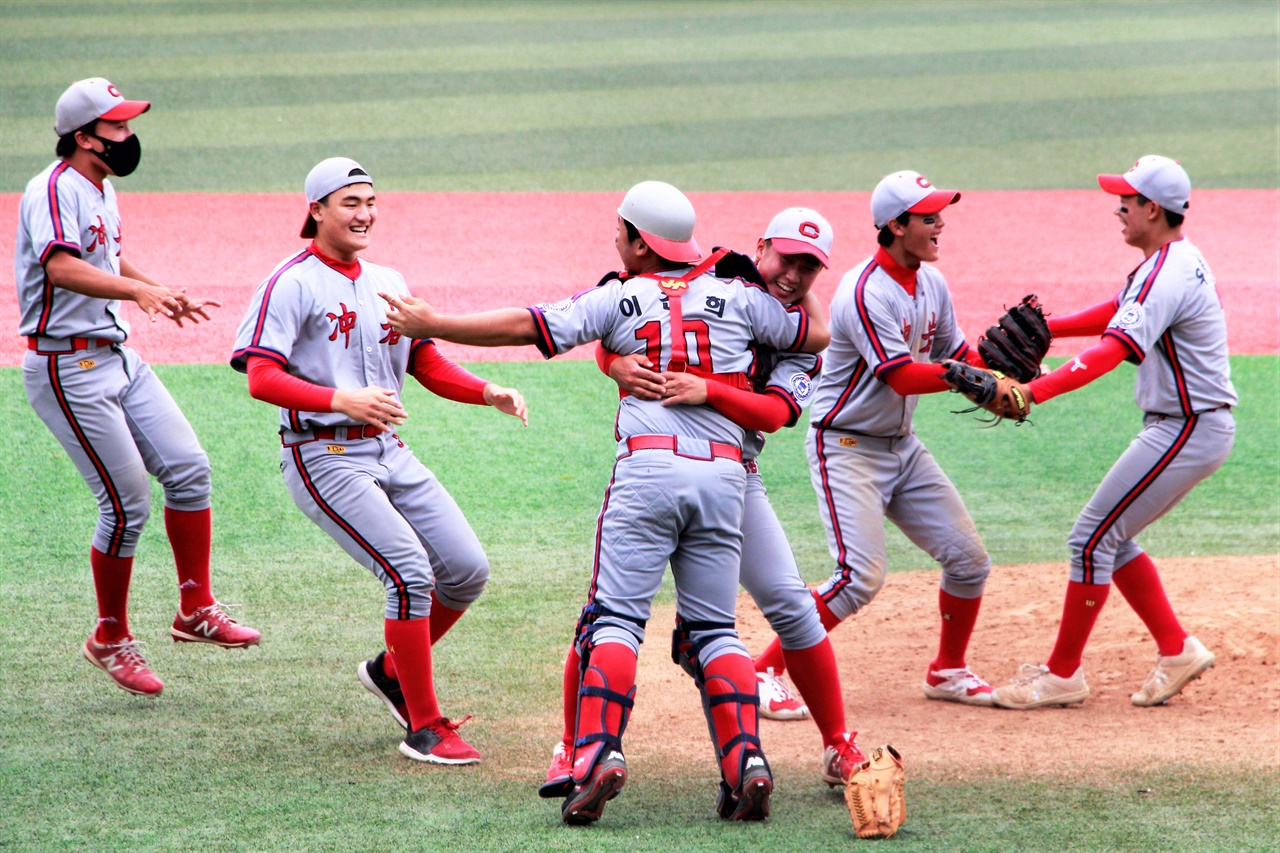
[121, 157]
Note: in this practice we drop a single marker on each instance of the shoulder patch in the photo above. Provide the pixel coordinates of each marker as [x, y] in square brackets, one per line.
[1130, 318]
[562, 305]
[801, 386]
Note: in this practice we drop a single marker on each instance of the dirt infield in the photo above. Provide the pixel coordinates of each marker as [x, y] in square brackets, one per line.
[473, 251]
[1231, 603]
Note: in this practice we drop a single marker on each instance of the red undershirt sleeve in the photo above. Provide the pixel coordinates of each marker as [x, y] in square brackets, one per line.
[445, 379]
[605, 358]
[764, 412]
[271, 383]
[1102, 357]
[916, 378]
[1087, 323]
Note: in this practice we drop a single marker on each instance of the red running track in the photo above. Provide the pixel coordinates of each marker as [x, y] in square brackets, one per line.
[474, 251]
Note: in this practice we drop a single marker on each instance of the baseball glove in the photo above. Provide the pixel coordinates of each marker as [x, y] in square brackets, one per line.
[990, 390]
[874, 794]
[1017, 344]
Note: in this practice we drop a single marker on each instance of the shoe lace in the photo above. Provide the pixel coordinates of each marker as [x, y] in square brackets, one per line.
[447, 727]
[962, 678]
[781, 685]
[217, 612]
[129, 653]
[1030, 672]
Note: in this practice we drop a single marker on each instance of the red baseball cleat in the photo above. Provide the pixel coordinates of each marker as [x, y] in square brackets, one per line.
[438, 742]
[559, 775]
[839, 761]
[123, 661]
[212, 625]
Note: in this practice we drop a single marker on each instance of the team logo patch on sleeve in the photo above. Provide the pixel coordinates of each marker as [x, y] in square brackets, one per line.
[1130, 318]
[801, 386]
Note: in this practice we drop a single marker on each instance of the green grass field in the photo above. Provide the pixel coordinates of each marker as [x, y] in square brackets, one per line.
[279, 748]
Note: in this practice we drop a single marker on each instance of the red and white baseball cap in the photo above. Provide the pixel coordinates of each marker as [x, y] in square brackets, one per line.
[326, 177]
[907, 192]
[801, 231]
[665, 219]
[1160, 179]
[90, 100]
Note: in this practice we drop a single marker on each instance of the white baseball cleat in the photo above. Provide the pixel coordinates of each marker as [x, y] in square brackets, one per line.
[777, 702]
[1174, 673]
[1037, 687]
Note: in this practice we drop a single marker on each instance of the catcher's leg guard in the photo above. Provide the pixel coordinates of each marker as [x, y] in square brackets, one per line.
[599, 768]
[682, 652]
[733, 711]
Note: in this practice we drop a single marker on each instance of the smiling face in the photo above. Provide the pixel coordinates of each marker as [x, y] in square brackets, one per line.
[787, 277]
[917, 241]
[1136, 220]
[344, 221]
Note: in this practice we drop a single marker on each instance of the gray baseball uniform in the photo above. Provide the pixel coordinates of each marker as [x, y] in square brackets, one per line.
[365, 489]
[677, 488]
[865, 461]
[102, 402]
[768, 569]
[1171, 320]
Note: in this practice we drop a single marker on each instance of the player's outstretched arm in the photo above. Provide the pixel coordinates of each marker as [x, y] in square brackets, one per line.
[509, 401]
[271, 383]
[189, 308]
[505, 327]
[70, 273]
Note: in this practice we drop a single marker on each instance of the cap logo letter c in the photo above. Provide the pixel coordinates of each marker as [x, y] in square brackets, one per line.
[113, 91]
[923, 181]
[810, 230]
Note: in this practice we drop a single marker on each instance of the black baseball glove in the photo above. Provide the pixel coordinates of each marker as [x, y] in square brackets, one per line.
[1017, 344]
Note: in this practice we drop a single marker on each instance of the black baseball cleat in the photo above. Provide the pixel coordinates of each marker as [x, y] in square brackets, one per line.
[603, 783]
[750, 801]
[377, 682]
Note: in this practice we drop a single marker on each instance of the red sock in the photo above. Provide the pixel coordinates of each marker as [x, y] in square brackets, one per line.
[958, 618]
[613, 667]
[1079, 614]
[773, 658]
[409, 642]
[1139, 583]
[731, 674]
[569, 693]
[442, 618]
[818, 679]
[190, 536]
[111, 585]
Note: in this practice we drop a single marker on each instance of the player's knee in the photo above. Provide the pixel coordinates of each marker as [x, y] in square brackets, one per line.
[188, 483]
[463, 586]
[719, 645]
[967, 574]
[627, 634]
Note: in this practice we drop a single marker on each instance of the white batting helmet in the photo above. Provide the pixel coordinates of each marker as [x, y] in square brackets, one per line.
[664, 218]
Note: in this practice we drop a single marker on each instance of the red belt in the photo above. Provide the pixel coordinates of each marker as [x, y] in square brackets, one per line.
[669, 442]
[353, 432]
[77, 344]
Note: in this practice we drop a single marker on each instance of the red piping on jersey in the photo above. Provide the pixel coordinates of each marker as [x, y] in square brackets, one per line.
[1086, 556]
[402, 591]
[60, 238]
[1150, 280]
[858, 373]
[545, 344]
[858, 300]
[266, 296]
[1130, 344]
[802, 332]
[1170, 351]
[116, 540]
[841, 551]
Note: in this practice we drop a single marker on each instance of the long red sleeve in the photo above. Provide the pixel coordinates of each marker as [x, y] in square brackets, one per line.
[747, 409]
[916, 378]
[1087, 323]
[445, 379]
[604, 358]
[1102, 357]
[271, 383]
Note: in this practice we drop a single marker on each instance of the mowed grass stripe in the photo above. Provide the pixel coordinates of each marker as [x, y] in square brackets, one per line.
[195, 30]
[449, 115]
[740, 38]
[1218, 158]
[412, 160]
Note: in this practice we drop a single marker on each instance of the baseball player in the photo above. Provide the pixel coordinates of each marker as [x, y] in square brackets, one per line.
[891, 322]
[677, 488]
[316, 342]
[1169, 320]
[789, 256]
[101, 401]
